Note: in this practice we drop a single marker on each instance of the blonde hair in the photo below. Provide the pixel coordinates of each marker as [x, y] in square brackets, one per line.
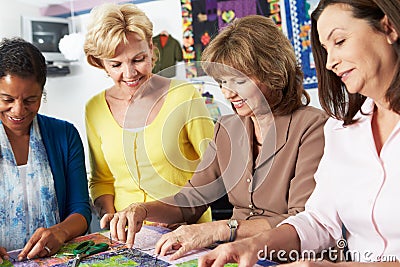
[255, 46]
[109, 26]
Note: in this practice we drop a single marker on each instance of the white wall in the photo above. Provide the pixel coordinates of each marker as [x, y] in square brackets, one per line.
[67, 95]
[314, 98]
[10, 17]
[165, 15]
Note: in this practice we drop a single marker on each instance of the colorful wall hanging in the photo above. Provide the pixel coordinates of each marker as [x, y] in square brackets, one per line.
[298, 31]
[202, 19]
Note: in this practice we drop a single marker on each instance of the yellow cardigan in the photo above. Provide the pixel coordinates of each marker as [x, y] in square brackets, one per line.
[139, 165]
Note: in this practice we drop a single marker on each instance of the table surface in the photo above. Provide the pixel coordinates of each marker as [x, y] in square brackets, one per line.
[142, 253]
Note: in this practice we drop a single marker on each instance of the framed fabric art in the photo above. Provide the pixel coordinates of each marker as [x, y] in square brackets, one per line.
[203, 19]
[298, 27]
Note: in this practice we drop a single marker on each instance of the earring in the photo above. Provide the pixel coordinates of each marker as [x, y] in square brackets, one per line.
[391, 40]
[44, 96]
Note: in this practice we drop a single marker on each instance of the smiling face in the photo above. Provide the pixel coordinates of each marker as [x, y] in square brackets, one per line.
[19, 103]
[244, 94]
[361, 56]
[132, 64]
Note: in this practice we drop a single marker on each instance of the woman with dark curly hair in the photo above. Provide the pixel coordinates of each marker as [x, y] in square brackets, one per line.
[43, 186]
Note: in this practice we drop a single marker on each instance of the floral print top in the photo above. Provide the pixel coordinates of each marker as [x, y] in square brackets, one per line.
[27, 194]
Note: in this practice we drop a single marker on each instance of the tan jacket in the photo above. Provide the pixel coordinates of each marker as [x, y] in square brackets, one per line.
[275, 185]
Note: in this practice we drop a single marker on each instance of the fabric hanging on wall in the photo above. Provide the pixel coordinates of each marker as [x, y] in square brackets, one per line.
[170, 53]
[202, 19]
[298, 23]
[235, 9]
[205, 24]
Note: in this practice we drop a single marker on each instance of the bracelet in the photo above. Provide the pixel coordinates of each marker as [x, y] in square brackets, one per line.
[233, 226]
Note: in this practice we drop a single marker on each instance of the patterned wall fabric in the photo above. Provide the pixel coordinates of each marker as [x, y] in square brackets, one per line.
[202, 20]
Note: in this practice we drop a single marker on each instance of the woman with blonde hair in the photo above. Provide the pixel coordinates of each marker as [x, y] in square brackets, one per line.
[146, 133]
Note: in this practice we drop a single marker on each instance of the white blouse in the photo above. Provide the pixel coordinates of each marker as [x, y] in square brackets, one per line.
[356, 187]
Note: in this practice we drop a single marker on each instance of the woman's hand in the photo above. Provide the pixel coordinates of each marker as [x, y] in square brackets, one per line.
[128, 220]
[43, 243]
[3, 255]
[104, 204]
[325, 263]
[244, 252]
[189, 237]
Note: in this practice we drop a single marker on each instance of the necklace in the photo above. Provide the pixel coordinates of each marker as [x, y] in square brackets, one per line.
[121, 98]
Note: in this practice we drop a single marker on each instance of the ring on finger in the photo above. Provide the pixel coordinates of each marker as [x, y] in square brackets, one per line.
[47, 249]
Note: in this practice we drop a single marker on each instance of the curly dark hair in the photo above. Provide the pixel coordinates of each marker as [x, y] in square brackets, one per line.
[21, 58]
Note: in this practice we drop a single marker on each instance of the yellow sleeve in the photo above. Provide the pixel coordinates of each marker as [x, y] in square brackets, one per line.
[200, 131]
[101, 180]
[200, 128]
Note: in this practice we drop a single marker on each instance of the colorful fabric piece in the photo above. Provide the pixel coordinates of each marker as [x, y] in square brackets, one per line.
[235, 9]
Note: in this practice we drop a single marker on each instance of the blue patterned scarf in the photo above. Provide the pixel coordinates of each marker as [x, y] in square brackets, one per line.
[29, 201]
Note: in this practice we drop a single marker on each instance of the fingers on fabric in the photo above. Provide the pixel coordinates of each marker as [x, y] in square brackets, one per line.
[3, 255]
[121, 224]
[173, 242]
[35, 247]
[114, 227]
[125, 224]
[208, 260]
[224, 254]
[105, 220]
[133, 227]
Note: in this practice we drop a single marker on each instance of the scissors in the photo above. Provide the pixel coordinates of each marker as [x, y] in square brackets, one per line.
[87, 248]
